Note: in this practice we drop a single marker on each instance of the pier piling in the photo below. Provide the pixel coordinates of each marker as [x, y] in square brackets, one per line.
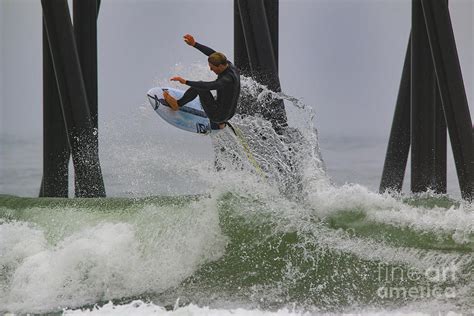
[74, 100]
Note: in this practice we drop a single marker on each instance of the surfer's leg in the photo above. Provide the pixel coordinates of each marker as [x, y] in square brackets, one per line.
[209, 105]
[188, 96]
[208, 102]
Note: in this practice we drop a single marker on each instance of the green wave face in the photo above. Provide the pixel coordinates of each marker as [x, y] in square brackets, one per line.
[232, 249]
[276, 258]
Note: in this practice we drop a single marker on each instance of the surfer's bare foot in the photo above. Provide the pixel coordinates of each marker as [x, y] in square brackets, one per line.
[171, 101]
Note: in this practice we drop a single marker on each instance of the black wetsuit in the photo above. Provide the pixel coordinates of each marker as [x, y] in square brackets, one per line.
[227, 84]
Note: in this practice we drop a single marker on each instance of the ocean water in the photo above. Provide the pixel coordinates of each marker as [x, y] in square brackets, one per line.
[297, 228]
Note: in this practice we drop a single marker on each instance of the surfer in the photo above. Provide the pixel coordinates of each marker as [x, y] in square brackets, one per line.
[220, 109]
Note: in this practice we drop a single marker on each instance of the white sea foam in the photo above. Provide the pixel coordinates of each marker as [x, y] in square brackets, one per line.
[457, 221]
[149, 309]
[146, 251]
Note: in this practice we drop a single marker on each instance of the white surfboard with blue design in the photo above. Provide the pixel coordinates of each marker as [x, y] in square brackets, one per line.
[190, 117]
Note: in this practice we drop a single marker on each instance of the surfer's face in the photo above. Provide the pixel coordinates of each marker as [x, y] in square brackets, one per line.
[217, 69]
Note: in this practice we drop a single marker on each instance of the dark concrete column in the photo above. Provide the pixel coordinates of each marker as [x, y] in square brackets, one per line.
[241, 59]
[260, 54]
[452, 92]
[273, 20]
[73, 97]
[85, 31]
[55, 142]
[399, 141]
[423, 110]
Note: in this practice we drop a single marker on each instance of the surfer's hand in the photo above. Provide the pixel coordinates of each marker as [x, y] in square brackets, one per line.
[181, 80]
[189, 39]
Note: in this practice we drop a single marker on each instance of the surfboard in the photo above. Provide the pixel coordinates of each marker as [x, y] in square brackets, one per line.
[190, 117]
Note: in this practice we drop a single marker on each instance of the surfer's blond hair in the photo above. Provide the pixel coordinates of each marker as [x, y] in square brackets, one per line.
[217, 59]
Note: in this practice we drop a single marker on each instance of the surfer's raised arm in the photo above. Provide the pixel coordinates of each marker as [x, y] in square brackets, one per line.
[189, 39]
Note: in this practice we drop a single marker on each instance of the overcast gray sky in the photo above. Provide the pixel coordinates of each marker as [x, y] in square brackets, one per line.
[342, 57]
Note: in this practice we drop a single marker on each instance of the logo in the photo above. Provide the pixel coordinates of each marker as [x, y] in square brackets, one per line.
[432, 282]
[202, 128]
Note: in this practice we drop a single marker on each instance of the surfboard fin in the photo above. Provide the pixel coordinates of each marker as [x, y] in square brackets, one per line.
[158, 101]
[163, 101]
